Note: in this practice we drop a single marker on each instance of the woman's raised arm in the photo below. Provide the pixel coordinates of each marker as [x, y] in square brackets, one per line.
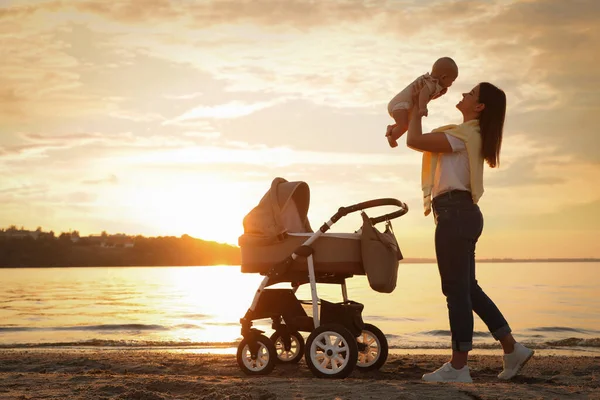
[435, 142]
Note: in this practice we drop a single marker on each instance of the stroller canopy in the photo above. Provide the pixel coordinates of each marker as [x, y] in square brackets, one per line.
[283, 208]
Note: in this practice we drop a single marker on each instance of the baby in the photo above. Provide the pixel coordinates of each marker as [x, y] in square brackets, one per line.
[425, 88]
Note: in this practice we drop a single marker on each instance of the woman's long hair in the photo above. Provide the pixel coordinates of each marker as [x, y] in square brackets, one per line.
[491, 122]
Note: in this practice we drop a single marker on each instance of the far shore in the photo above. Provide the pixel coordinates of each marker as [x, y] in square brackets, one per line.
[508, 260]
[405, 261]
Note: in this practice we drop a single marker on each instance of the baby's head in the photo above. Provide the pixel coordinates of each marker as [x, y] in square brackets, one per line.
[445, 70]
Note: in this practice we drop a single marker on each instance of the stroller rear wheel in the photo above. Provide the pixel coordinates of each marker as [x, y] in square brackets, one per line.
[331, 351]
[295, 346]
[373, 349]
[256, 355]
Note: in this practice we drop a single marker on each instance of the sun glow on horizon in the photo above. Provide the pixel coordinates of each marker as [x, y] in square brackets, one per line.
[210, 209]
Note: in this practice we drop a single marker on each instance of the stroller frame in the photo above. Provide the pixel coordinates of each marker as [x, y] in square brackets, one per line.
[340, 323]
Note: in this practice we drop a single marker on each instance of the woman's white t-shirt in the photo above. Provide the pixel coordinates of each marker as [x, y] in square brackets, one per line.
[452, 171]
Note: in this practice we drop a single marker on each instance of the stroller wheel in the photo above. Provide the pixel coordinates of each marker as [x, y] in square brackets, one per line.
[296, 346]
[264, 360]
[331, 351]
[374, 351]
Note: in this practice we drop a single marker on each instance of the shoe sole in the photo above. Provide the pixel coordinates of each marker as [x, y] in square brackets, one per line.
[424, 380]
[520, 367]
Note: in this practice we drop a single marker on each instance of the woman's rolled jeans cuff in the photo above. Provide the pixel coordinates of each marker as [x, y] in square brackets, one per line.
[462, 346]
[501, 332]
[468, 346]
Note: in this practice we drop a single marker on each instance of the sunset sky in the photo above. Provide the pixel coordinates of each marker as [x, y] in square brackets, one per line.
[161, 117]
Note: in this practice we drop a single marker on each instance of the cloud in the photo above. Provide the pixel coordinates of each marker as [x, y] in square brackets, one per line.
[571, 217]
[111, 180]
[130, 11]
[525, 171]
[223, 111]
[245, 154]
[292, 61]
[19, 191]
[39, 76]
[547, 50]
[11, 103]
[19, 11]
[561, 39]
[135, 116]
[204, 135]
[187, 96]
[79, 198]
[122, 139]
[267, 12]
[61, 147]
[38, 145]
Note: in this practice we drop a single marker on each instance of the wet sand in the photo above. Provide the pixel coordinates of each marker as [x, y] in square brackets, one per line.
[163, 374]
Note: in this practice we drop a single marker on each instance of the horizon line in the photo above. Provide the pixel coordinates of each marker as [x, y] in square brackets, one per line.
[511, 259]
[410, 259]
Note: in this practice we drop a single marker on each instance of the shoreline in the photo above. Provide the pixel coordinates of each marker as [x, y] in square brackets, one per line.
[229, 350]
[160, 375]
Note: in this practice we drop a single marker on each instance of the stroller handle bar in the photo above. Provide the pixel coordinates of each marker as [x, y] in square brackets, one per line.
[343, 211]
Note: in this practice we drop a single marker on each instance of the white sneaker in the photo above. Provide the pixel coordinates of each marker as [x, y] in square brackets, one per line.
[514, 361]
[447, 373]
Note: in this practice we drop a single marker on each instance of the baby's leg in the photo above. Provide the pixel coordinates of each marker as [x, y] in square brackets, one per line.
[400, 128]
[401, 118]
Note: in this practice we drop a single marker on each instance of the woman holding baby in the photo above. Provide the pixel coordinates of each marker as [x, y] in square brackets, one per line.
[452, 182]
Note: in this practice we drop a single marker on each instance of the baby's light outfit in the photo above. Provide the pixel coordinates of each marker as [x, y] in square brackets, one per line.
[407, 97]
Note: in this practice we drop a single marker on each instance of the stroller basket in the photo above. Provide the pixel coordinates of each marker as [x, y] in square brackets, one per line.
[275, 303]
[347, 313]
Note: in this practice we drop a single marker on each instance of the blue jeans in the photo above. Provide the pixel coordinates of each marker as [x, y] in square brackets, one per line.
[459, 224]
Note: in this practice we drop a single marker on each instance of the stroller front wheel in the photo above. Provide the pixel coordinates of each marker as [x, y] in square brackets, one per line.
[373, 349]
[256, 355]
[290, 355]
[331, 351]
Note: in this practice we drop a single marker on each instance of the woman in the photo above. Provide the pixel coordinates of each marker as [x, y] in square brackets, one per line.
[453, 176]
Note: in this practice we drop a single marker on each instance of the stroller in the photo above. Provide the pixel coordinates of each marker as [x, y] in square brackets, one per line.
[279, 243]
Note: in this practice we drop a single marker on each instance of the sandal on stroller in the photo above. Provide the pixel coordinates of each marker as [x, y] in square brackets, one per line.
[279, 243]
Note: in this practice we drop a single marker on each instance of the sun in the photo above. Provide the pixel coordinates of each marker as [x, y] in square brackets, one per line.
[208, 209]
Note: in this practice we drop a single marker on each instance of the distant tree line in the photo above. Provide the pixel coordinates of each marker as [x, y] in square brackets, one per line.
[47, 250]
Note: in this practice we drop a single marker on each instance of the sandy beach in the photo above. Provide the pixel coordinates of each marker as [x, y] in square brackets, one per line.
[160, 374]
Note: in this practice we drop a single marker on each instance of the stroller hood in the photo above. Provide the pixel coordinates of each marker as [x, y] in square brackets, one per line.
[283, 208]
